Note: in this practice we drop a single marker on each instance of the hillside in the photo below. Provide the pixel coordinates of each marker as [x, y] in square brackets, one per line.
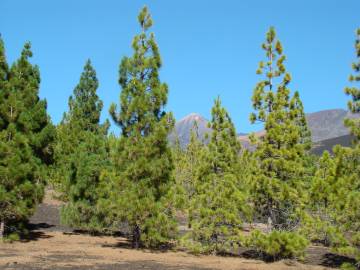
[328, 124]
[327, 129]
[320, 147]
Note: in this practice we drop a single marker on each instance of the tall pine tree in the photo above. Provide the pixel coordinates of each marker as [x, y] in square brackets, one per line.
[349, 167]
[26, 136]
[82, 154]
[144, 164]
[278, 184]
[335, 192]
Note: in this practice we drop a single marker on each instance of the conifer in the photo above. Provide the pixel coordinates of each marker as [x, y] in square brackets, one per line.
[277, 184]
[82, 154]
[186, 163]
[336, 186]
[219, 204]
[4, 68]
[318, 226]
[26, 136]
[144, 165]
[354, 91]
[298, 114]
[348, 205]
[192, 161]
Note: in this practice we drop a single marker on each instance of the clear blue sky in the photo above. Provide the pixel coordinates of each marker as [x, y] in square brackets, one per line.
[208, 48]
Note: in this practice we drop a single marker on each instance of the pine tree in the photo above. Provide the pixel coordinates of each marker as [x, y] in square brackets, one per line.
[4, 68]
[297, 111]
[26, 136]
[191, 160]
[4, 73]
[144, 164]
[348, 168]
[319, 223]
[186, 162]
[219, 204]
[85, 106]
[82, 154]
[350, 213]
[354, 92]
[277, 183]
[335, 192]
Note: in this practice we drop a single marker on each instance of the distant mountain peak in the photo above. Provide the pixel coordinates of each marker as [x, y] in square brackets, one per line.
[193, 117]
[184, 126]
[325, 125]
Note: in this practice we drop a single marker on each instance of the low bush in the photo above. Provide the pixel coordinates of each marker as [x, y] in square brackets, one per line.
[278, 244]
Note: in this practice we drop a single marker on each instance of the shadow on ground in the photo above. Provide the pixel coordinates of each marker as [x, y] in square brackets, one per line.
[334, 260]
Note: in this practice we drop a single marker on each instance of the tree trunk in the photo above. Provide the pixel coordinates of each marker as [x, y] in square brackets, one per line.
[136, 236]
[2, 229]
[190, 220]
[271, 222]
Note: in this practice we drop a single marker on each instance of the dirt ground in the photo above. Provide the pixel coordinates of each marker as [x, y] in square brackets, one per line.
[52, 246]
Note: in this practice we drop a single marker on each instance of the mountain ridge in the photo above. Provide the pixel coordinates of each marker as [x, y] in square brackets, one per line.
[325, 125]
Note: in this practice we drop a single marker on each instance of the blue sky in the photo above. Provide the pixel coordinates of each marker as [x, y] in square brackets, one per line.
[208, 48]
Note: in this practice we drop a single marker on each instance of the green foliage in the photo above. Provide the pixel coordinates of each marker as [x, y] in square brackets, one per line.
[186, 163]
[354, 92]
[278, 184]
[335, 191]
[136, 181]
[12, 237]
[220, 200]
[26, 136]
[318, 222]
[4, 68]
[278, 244]
[298, 114]
[334, 216]
[347, 195]
[143, 163]
[346, 198]
[81, 155]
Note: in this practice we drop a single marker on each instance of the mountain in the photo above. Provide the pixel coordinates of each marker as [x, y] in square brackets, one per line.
[327, 129]
[319, 147]
[183, 129]
[328, 124]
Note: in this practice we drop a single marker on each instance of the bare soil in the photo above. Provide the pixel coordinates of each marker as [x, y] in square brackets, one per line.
[55, 247]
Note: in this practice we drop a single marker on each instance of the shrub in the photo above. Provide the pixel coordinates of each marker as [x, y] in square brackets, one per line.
[278, 244]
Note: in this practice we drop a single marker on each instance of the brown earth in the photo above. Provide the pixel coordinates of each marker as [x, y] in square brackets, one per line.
[52, 246]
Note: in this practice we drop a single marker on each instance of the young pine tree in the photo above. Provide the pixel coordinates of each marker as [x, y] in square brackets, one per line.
[319, 224]
[219, 204]
[144, 163]
[277, 185]
[186, 163]
[297, 111]
[26, 136]
[82, 154]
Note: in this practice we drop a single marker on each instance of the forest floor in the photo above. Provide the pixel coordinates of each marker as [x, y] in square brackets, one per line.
[52, 246]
